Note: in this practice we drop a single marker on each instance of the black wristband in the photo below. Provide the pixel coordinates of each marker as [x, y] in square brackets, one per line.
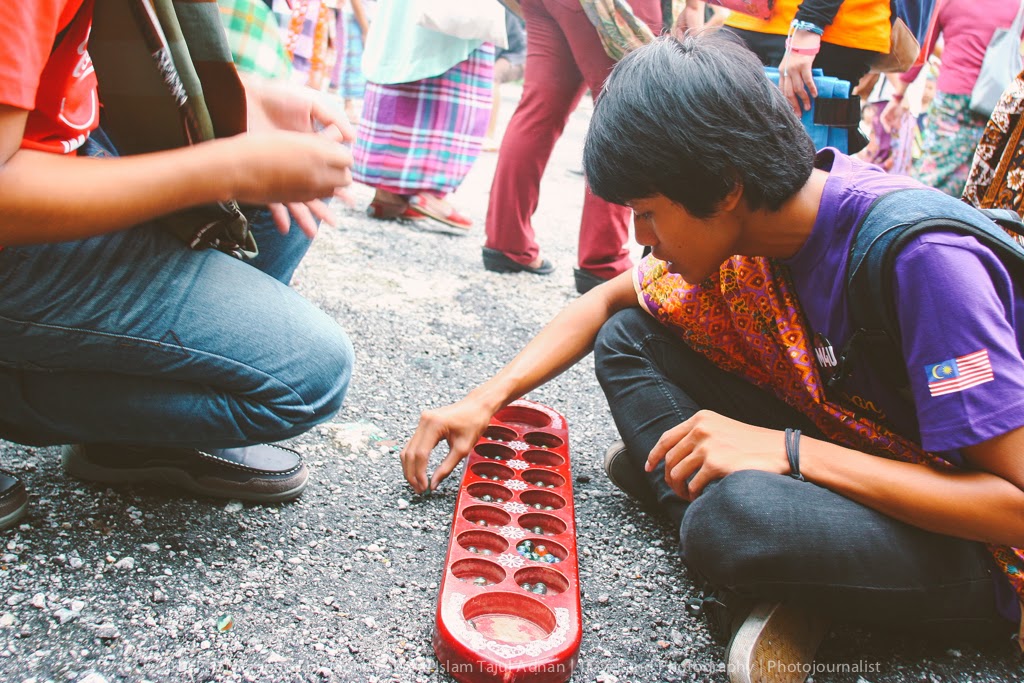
[793, 453]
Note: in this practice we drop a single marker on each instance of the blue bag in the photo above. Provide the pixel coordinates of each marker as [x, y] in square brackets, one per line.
[834, 116]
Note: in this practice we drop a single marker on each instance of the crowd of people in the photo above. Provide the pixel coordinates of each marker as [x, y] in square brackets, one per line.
[812, 474]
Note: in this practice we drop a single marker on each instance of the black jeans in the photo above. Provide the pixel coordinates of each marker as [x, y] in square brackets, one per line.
[768, 536]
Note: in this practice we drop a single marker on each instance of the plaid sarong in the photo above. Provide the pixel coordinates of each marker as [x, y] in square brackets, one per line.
[348, 71]
[425, 135]
[255, 38]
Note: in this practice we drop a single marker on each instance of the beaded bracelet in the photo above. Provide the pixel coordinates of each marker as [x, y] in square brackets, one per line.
[806, 26]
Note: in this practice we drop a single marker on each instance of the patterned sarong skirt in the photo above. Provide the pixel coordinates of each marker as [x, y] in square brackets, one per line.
[425, 135]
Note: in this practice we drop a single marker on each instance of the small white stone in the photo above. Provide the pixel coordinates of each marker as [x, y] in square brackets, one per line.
[92, 677]
[402, 503]
[151, 547]
[38, 601]
[6, 620]
[63, 616]
[275, 658]
[107, 632]
[234, 506]
[125, 563]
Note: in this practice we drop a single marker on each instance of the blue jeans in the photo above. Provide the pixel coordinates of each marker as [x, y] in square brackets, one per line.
[133, 338]
[770, 537]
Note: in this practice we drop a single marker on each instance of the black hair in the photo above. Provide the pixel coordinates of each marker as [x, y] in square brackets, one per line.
[689, 120]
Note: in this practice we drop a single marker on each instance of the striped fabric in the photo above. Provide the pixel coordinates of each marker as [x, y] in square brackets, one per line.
[255, 38]
[306, 38]
[425, 135]
[348, 71]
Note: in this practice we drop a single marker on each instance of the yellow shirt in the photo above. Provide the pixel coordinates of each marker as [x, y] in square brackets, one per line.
[862, 24]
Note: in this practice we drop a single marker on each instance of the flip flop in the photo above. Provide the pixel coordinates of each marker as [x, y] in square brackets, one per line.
[441, 211]
[498, 262]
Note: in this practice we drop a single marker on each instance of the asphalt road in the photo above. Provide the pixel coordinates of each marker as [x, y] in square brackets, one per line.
[139, 585]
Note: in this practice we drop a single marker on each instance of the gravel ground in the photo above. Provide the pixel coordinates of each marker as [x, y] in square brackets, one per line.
[137, 585]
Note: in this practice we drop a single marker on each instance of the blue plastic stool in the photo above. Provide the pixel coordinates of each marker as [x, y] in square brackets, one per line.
[834, 115]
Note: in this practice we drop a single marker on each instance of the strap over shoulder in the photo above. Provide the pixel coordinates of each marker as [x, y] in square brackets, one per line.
[166, 80]
[893, 220]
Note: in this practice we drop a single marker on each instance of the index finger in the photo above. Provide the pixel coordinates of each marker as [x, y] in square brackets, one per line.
[417, 452]
[456, 453]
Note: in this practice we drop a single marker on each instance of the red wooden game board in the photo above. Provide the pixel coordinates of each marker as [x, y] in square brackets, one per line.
[506, 612]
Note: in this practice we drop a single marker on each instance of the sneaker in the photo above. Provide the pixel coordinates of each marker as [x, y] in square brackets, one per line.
[263, 473]
[775, 644]
[623, 473]
[13, 500]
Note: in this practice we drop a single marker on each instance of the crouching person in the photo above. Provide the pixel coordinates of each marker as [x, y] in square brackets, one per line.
[157, 362]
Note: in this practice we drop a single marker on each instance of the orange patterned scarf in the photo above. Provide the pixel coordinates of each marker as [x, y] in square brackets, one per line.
[747, 321]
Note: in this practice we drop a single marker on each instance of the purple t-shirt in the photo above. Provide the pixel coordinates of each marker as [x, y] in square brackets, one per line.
[958, 313]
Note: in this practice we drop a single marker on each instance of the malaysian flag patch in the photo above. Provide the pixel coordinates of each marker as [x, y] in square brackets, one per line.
[958, 374]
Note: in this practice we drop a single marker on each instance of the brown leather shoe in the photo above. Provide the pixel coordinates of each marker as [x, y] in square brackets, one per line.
[264, 473]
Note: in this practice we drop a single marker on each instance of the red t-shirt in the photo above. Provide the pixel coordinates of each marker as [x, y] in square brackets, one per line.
[56, 84]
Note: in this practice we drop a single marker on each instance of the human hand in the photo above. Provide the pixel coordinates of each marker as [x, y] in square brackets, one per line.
[797, 81]
[709, 446]
[290, 172]
[276, 105]
[690, 19]
[893, 114]
[283, 105]
[460, 424]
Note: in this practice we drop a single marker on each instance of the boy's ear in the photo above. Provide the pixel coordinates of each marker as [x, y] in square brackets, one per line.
[733, 199]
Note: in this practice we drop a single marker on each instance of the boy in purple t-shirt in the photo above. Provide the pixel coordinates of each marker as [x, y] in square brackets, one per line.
[788, 532]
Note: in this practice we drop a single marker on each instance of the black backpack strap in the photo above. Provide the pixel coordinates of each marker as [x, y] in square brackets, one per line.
[893, 220]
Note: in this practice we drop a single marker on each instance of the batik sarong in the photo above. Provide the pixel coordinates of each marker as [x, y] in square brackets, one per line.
[425, 135]
[949, 139]
[996, 180]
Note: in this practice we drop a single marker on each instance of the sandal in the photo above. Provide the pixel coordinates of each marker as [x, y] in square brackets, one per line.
[429, 206]
[387, 210]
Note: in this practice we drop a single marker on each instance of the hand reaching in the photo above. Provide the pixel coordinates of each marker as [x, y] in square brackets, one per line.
[460, 424]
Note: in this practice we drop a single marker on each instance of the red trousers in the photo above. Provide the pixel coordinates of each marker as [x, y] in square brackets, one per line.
[564, 58]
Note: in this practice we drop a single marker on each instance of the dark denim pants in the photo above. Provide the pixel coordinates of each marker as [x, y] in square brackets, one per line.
[768, 536]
